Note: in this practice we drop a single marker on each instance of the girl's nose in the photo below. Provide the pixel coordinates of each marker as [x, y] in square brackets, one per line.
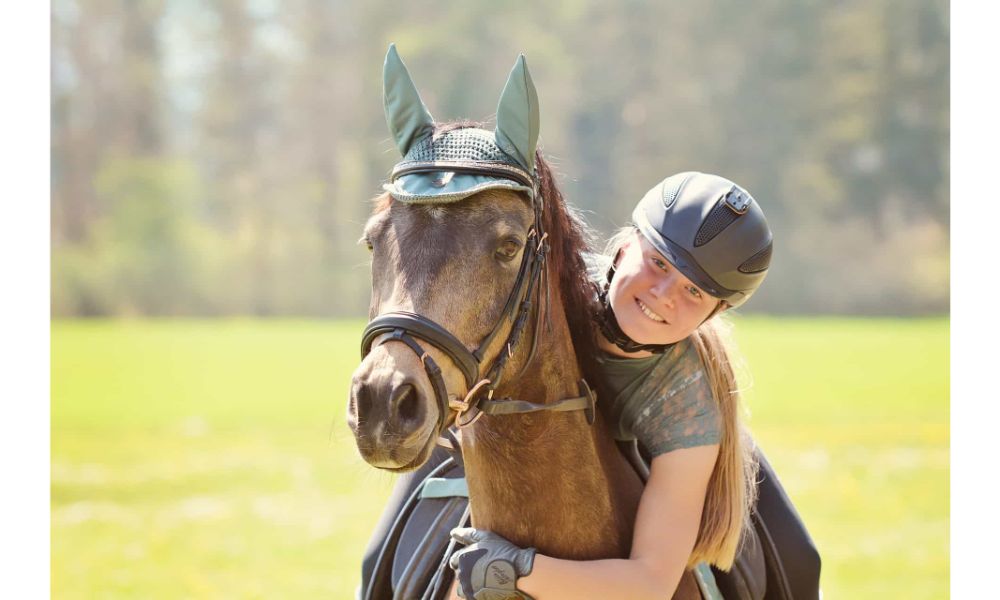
[665, 288]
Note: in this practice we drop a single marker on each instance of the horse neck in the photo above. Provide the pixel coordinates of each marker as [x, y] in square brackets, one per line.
[549, 479]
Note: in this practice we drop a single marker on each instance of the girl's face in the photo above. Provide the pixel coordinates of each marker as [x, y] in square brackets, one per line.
[653, 302]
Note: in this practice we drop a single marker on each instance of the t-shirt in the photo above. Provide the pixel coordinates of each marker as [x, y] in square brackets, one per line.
[663, 401]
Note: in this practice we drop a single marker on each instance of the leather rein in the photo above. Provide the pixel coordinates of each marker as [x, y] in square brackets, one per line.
[524, 300]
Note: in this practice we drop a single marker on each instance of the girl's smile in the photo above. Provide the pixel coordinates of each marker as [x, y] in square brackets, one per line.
[649, 312]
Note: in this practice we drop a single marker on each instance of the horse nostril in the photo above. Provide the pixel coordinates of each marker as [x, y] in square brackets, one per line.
[406, 402]
[360, 401]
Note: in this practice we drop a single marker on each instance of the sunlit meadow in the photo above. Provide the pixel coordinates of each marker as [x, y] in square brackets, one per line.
[211, 459]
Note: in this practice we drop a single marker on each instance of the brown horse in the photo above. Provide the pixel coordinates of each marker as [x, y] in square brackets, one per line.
[544, 479]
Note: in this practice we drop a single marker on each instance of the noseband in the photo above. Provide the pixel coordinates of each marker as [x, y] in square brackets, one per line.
[524, 300]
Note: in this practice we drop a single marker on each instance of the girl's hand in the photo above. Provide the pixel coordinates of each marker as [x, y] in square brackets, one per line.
[488, 567]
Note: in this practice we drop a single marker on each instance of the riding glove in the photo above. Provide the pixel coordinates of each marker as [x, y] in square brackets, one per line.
[488, 567]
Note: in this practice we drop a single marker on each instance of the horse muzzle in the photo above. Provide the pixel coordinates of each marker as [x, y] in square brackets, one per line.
[392, 414]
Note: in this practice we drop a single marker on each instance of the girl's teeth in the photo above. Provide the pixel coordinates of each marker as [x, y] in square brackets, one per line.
[645, 310]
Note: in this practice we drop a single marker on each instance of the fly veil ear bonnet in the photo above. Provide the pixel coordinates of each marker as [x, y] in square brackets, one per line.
[461, 162]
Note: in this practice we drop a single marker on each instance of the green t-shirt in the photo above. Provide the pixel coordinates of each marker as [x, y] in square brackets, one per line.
[664, 401]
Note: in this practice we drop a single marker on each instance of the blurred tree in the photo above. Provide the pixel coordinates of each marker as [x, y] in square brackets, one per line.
[107, 99]
[244, 138]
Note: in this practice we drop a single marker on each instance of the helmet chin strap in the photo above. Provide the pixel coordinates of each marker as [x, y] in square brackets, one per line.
[612, 330]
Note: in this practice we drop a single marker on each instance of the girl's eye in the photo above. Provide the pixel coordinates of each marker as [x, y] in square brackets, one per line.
[659, 263]
[694, 292]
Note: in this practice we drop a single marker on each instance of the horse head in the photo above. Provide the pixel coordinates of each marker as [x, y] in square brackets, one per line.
[457, 252]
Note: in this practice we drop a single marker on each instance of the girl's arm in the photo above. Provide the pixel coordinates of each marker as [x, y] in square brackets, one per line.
[665, 531]
[666, 527]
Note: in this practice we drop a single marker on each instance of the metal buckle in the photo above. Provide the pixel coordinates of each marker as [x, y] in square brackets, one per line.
[463, 424]
[463, 406]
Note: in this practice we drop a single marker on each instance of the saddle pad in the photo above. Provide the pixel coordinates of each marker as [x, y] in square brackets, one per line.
[426, 535]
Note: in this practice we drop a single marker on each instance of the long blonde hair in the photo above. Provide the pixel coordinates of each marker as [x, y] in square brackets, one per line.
[732, 488]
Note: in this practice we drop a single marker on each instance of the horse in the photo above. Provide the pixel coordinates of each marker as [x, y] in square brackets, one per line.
[476, 255]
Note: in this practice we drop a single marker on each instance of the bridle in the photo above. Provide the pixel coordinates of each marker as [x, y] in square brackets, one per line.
[525, 299]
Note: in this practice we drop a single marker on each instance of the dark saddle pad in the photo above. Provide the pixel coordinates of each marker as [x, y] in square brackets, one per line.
[790, 556]
[411, 563]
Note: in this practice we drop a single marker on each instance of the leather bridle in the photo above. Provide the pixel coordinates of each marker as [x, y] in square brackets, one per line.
[525, 299]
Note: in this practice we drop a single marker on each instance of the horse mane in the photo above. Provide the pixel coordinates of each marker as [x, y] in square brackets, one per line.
[569, 240]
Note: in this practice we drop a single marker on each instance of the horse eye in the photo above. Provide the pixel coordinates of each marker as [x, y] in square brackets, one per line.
[508, 250]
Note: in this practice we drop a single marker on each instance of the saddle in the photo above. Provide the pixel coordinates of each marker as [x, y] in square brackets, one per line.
[777, 560]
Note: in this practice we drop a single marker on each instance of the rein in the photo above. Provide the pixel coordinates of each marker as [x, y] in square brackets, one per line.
[524, 300]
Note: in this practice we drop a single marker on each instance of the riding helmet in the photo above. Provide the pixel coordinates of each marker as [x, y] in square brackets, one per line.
[711, 230]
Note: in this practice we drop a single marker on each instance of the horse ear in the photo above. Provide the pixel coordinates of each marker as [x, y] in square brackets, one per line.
[407, 117]
[517, 116]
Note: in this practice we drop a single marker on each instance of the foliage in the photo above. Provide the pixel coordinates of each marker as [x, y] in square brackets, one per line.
[833, 114]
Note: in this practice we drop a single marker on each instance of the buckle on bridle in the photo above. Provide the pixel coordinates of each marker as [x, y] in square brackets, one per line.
[463, 406]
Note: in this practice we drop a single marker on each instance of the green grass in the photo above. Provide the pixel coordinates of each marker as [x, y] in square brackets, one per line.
[853, 415]
[210, 459]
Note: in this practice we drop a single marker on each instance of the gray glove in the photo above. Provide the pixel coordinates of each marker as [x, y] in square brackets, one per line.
[488, 567]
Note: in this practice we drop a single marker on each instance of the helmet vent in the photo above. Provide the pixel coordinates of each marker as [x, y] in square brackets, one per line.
[758, 262]
[717, 220]
[670, 192]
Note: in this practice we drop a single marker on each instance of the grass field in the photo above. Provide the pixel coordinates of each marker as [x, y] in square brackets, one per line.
[211, 459]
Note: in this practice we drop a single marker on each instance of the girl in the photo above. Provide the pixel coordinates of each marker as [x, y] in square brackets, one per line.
[700, 245]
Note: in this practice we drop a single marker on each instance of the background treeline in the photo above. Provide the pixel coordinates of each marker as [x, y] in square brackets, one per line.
[216, 158]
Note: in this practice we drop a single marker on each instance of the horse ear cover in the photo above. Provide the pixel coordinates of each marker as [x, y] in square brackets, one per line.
[405, 113]
[517, 116]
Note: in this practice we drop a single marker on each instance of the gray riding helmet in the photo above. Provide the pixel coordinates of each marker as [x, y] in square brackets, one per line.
[711, 229]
